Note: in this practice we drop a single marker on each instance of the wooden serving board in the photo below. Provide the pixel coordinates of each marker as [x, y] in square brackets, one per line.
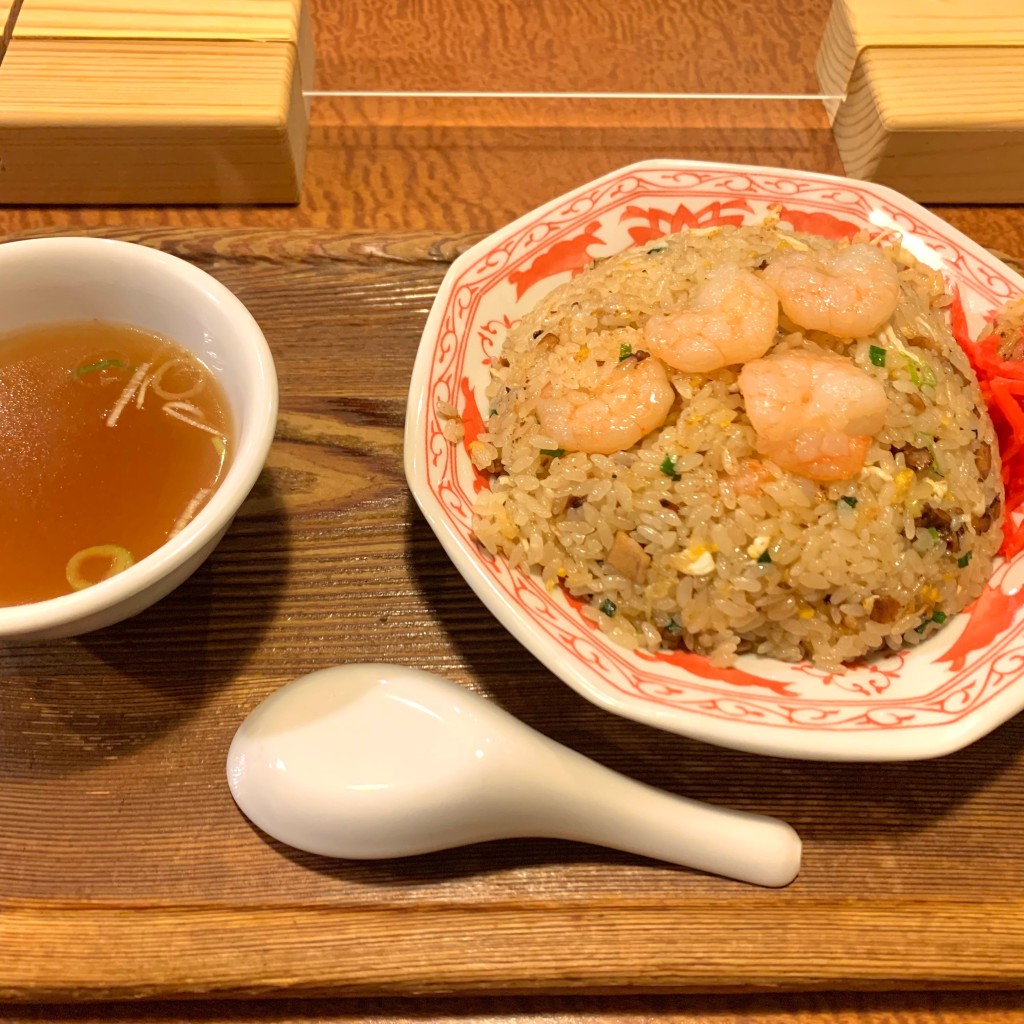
[127, 872]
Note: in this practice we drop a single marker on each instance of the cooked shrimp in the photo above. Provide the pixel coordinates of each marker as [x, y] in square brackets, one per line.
[633, 400]
[848, 293]
[732, 319]
[814, 415]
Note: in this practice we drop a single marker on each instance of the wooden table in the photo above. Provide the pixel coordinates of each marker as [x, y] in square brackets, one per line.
[126, 872]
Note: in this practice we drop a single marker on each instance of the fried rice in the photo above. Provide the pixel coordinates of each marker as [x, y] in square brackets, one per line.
[789, 568]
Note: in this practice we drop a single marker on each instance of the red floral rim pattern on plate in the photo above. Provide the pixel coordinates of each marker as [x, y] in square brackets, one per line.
[978, 656]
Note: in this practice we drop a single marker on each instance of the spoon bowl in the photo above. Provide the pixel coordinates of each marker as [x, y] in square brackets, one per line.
[375, 761]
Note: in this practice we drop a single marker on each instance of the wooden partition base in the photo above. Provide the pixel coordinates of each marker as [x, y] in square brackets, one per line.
[938, 124]
[934, 96]
[155, 101]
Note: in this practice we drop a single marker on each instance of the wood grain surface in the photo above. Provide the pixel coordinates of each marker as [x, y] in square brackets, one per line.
[127, 871]
[715, 46]
[407, 164]
[251, 20]
[113, 807]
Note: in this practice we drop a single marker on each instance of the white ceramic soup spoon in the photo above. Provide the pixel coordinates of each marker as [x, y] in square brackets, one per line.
[374, 761]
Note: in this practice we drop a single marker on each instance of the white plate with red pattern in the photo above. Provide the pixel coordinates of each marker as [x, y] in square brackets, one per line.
[924, 702]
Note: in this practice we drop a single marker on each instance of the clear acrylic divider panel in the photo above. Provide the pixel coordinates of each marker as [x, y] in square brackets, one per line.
[442, 115]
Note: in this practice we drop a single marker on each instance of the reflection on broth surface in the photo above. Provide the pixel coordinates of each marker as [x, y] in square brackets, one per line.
[112, 439]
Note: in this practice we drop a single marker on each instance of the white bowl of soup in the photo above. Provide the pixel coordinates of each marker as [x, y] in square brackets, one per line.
[138, 399]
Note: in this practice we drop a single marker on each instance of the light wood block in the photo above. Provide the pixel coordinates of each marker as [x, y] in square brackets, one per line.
[174, 101]
[253, 20]
[854, 26]
[940, 124]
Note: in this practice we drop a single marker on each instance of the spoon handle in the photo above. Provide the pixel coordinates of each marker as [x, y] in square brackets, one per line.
[593, 804]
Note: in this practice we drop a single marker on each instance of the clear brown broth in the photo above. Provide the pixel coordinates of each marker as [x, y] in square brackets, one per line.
[70, 481]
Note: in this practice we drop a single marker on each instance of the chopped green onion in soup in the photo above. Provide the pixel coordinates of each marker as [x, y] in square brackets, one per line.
[111, 559]
[101, 364]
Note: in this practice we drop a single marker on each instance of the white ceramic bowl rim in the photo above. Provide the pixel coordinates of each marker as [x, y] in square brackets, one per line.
[253, 439]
